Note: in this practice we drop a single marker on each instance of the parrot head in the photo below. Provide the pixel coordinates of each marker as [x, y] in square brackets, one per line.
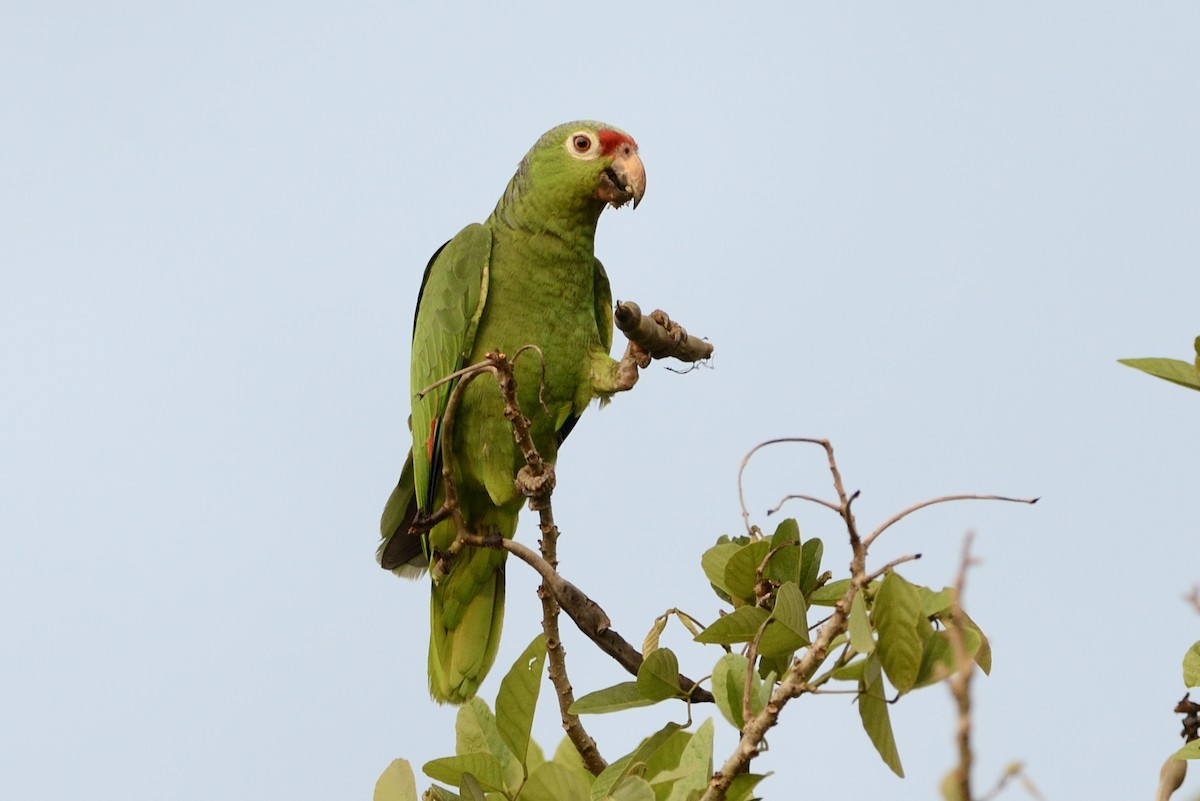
[581, 165]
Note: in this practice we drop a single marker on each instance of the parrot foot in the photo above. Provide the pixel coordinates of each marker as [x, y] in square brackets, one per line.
[536, 487]
[439, 565]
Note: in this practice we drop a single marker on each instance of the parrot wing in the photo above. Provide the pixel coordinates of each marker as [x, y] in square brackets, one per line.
[450, 303]
[603, 305]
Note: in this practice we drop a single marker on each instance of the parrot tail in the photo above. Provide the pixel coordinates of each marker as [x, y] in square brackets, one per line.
[466, 614]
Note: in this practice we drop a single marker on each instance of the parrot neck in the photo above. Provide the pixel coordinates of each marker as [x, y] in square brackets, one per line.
[543, 213]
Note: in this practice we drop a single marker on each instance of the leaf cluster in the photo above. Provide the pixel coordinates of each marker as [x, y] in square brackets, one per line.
[496, 760]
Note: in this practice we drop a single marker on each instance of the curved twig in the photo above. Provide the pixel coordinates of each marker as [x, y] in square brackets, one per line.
[746, 461]
[799, 497]
[896, 518]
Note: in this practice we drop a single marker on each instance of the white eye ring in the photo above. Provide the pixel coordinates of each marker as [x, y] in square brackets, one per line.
[583, 145]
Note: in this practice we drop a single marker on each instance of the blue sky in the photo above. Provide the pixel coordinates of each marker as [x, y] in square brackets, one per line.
[924, 232]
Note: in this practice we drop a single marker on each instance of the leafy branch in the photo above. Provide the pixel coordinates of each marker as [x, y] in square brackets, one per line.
[896, 639]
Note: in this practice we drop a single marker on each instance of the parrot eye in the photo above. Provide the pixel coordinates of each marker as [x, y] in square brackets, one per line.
[582, 145]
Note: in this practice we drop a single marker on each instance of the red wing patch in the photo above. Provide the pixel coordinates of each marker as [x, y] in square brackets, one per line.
[429, 442]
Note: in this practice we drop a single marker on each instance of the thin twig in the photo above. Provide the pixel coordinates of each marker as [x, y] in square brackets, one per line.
[798, 497]
[892, 565]
[896, 518]
[751, 655]
[960, 682]
[746, 461]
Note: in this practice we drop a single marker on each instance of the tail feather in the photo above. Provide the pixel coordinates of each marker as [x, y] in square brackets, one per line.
[401, 552]
[465, 630]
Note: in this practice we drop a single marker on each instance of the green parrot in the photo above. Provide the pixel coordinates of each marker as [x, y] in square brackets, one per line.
[526, 276]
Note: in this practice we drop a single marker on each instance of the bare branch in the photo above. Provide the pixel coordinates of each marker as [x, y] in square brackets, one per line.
[896, 518]
[892, 565]
[587, 614]
[798, 497]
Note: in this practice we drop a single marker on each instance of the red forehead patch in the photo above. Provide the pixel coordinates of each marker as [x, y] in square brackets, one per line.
[611, 140]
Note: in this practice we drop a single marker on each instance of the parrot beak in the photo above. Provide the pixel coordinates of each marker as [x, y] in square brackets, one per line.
[623, 180]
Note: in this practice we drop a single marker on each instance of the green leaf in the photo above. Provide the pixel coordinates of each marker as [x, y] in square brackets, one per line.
[666, 756]
[896, 614]
[861, 638]
[517, 698]
[729, 686]
[777, 665]
[637, 762]
[850, 672]
[742, 786]
[554, 782]
[566, 756]
[609, 777]
[476, 732]
[632, 788]
[470, 789]
[741, 571]
[784, 564]
[810, 566]
[1191, 666]
[625, 695]
[739, 626]
[937, 660]
[1173, 370]
[933, 603]
[484, 767]
[533, 756]
[658, 677]
[873, 711]
[695, 764]
[788, 629]
[830, 594]
[713, 562]
[438, 793]
[396, 783]
[1189, 751]
[983, 656]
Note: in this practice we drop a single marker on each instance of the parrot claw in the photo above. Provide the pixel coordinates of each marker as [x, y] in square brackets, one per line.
[535, 487]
